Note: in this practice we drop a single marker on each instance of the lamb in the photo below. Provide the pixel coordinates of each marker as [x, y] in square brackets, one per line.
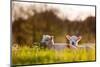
[47, 41]
[73, 40]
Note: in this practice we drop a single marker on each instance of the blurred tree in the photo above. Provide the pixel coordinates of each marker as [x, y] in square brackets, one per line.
[31, 30]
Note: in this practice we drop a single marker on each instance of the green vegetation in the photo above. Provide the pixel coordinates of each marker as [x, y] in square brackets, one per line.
[36, 55]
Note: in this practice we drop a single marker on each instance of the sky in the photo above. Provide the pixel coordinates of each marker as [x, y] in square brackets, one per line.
[71, 12]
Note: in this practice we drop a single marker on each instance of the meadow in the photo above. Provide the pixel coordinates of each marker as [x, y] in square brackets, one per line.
[35, 55]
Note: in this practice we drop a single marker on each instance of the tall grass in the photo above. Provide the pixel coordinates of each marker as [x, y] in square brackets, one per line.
[36, 55]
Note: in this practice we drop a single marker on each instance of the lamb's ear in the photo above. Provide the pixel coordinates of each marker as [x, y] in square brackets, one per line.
[79, 38]
[68, 37]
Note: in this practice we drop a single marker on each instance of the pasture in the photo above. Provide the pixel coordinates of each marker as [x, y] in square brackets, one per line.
[36, 55]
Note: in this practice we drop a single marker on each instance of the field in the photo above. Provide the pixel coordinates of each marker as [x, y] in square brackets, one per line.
[25, 55]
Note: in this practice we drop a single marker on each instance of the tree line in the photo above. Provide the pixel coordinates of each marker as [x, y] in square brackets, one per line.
[30, 31]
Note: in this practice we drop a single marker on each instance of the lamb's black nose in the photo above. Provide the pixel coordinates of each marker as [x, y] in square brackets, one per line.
[73, 43]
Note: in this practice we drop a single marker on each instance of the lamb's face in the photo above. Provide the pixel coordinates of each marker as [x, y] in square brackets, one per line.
[73, 40]
[47, 39]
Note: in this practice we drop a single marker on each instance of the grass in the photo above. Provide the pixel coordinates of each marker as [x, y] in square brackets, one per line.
[25, 55]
